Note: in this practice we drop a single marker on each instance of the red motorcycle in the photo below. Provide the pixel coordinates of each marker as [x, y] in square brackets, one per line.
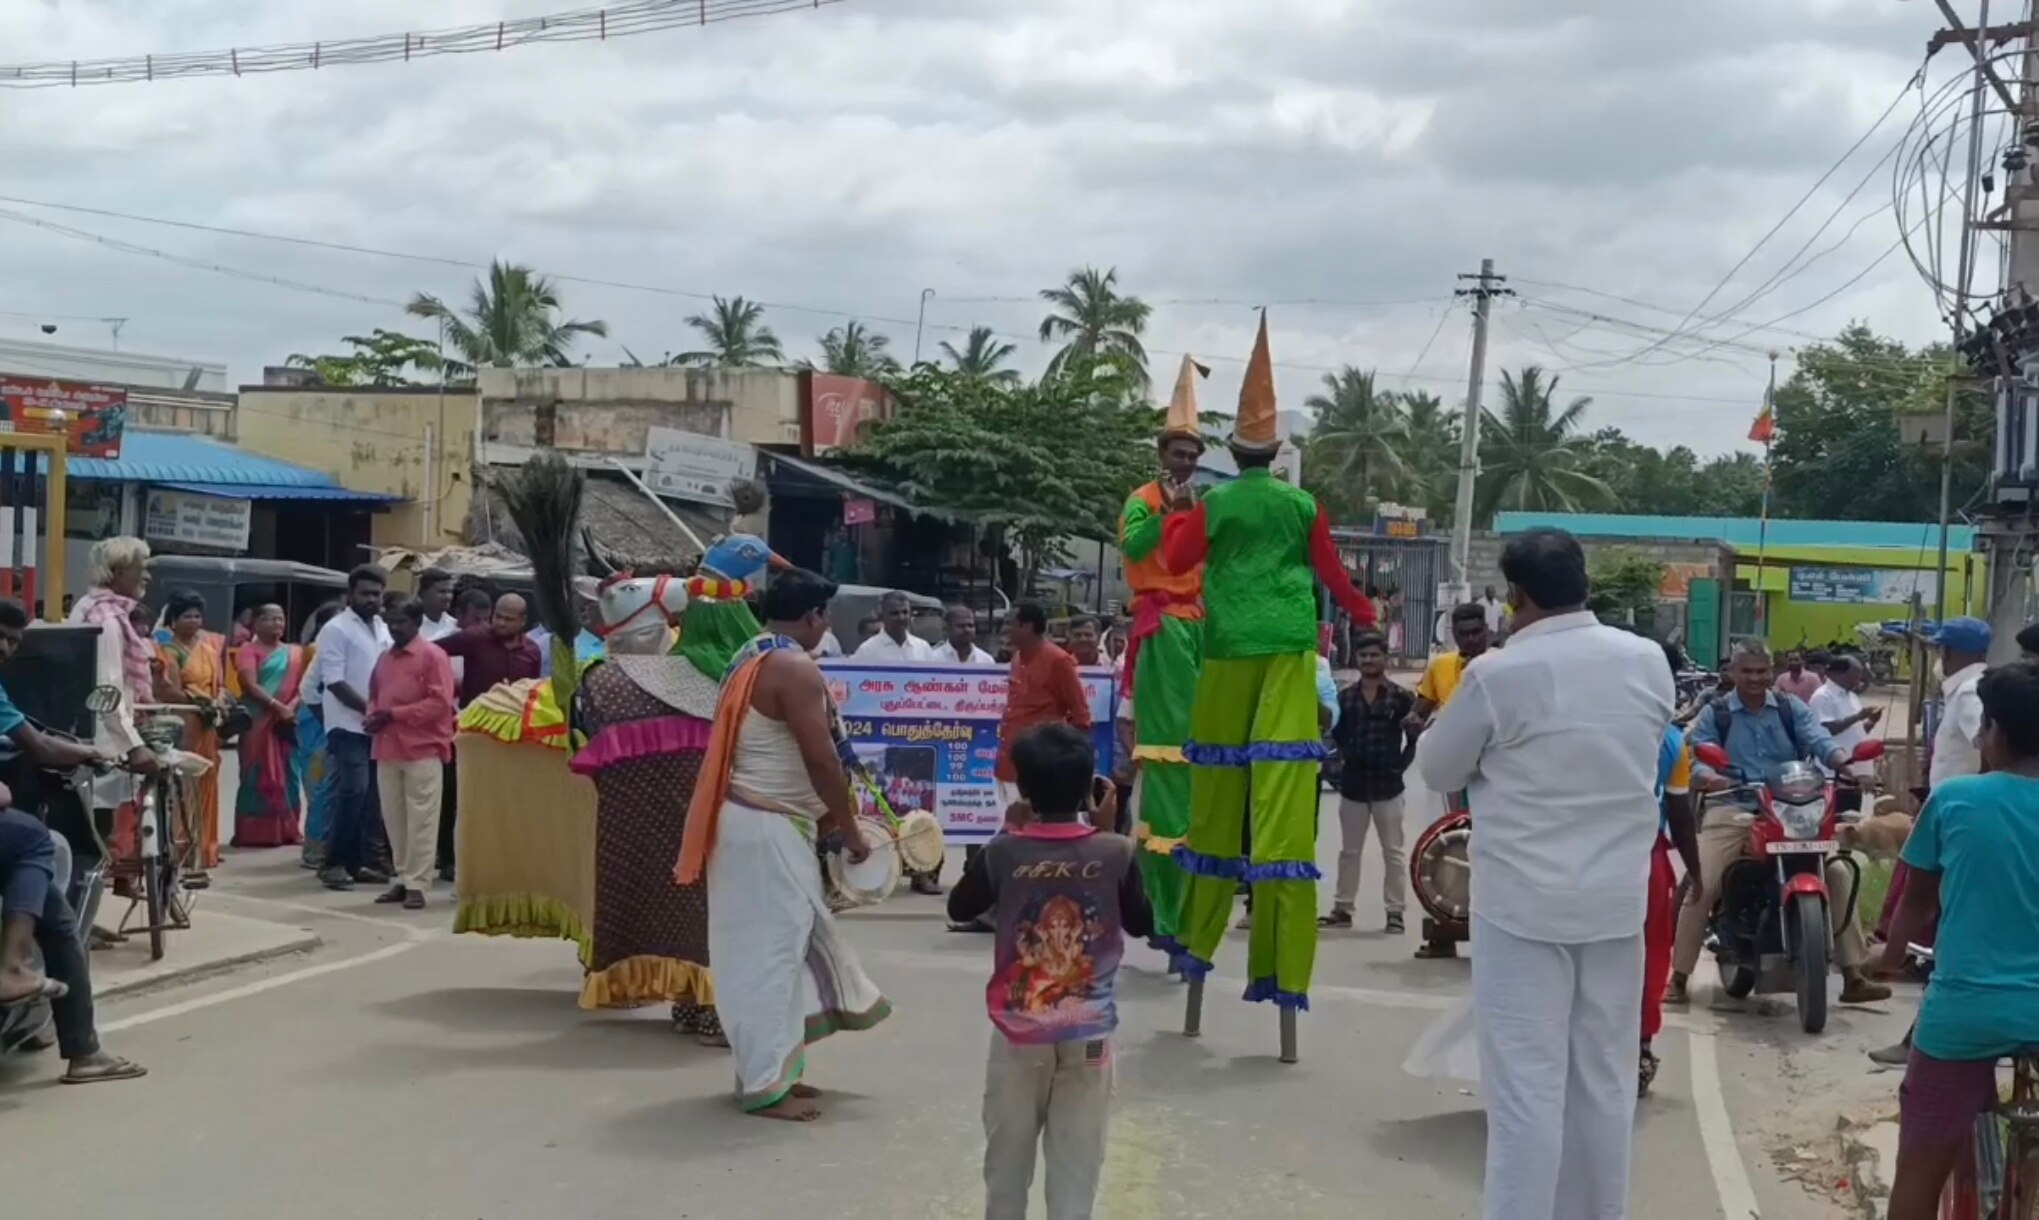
[1772, 921]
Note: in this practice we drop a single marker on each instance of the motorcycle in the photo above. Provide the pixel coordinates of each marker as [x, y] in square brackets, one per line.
[1772, 923]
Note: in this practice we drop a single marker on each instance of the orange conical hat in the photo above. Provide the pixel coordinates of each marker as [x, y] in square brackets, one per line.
[1255, 428]
[1182, 409]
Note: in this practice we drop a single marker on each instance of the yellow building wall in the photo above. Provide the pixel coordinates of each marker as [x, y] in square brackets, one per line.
[1794, 624]
[375, 440]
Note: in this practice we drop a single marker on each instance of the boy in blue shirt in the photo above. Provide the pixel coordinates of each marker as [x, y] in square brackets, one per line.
[1973, 855]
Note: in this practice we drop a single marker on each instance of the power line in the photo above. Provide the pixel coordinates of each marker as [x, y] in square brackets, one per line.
[622, 20]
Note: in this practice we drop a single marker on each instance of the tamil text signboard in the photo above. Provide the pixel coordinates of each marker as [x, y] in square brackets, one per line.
[1862, 586]
[691, 466]
[194, 520]
[90, 417]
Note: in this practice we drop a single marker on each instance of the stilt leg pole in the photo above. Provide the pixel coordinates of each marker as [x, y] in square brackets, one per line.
[1193, 1010]
[1288, 1035]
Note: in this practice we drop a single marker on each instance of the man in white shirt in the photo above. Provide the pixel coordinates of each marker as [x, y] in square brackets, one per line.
[1964, 654]
[348, 648]
[961, 646]
[435, 593]
[1556, 741]
[894, 641]
[1837, 705]
[1496, 611]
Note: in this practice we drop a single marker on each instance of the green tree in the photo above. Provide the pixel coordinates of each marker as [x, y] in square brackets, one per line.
[1096, 323]
[853, 350]
[1362, 434]
[1840, 454]
[1045, 461]
[511, 321]
[1731, 486]
[1624, 585]
[983, 356]
[736, 337]
[380, 359]
[1432, 454]
[1531, 453]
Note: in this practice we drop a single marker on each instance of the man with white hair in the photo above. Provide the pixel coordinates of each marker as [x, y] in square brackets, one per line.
[119, 574]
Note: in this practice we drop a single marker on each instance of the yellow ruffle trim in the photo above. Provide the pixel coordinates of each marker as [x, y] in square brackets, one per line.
[1159, 754]
[1160, 846]
[516, 712]
[524, 916]
[645, 979]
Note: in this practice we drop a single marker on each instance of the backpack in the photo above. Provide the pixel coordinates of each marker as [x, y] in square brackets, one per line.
[1723, 716]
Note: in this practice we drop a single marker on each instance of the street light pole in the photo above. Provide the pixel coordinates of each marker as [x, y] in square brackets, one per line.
[1483, 295]
[920, 323]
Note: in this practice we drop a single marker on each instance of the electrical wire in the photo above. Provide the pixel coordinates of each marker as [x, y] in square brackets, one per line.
[621, 20]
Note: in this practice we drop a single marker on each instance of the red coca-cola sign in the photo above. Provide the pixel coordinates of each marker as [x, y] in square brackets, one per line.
[836, 409]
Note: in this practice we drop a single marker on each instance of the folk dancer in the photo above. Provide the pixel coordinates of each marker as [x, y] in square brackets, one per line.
[1254, 729]
[774, 777]
[1162, 660]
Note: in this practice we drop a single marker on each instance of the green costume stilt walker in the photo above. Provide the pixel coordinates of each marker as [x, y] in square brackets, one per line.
[1254, 742]
[1161, 663]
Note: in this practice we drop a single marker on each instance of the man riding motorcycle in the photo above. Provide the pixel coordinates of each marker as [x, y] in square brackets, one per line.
[1760, 729]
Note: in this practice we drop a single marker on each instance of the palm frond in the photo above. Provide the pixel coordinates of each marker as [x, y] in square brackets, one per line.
[544, 499]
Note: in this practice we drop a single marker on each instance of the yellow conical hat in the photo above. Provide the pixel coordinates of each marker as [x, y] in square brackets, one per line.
[1182, 409]
[1255, 428]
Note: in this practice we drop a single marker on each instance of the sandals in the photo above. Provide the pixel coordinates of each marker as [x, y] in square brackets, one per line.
[114, 1068]
[1338, 918]
[48, 989]
[1646, 1072]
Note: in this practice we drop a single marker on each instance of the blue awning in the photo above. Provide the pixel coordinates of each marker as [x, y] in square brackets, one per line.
[265, 491]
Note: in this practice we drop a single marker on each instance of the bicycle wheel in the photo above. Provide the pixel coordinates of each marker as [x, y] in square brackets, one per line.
[155, 899]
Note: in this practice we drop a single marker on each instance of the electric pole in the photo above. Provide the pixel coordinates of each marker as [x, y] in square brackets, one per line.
[1483, 294]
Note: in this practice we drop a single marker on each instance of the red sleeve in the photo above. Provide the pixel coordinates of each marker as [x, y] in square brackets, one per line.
[1069, 689]
[1331, 570]
[459, 644]
[1184, 540]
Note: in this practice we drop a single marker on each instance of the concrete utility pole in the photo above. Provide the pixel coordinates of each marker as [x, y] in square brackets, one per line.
[1964, 273]
[1483, 295]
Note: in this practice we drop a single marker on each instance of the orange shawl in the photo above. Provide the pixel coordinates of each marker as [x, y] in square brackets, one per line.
[712, 788]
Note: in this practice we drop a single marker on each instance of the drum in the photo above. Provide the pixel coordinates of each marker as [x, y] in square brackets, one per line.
[1441, 871]
[873, 880]
[920, 842]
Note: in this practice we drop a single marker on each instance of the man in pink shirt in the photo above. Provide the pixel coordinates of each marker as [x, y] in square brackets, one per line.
[1796, 680]
[410, 716]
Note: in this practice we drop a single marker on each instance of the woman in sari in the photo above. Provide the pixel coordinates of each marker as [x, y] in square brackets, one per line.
[195, 671]
[266, 810]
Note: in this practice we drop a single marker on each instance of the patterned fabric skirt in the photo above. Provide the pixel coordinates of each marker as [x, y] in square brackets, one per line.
[651, 933]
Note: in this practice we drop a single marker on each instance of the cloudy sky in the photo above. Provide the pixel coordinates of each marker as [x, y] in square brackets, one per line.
[1338, 160]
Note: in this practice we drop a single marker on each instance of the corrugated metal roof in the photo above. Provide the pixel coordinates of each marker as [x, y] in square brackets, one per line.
[270, 491]
[1743, 533]
[175, 457]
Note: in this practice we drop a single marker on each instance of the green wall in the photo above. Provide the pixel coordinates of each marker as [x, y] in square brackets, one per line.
[1792, 623]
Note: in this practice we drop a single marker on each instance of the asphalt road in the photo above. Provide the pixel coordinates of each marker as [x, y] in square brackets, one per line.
[399, 1068]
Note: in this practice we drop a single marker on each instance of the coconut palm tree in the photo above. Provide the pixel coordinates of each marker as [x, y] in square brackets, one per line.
[1532, 455]
[1097, 324]
[983, 357]
[1363, 432]
[736, 336]
[853, 350]
[510, 322]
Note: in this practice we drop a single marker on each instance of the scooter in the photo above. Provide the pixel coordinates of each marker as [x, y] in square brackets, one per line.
[1772, 924]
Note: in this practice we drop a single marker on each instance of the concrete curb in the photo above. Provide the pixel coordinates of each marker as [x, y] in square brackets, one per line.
[179, 974]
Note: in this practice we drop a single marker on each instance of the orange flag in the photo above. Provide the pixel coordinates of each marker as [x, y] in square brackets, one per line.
[1764, 430]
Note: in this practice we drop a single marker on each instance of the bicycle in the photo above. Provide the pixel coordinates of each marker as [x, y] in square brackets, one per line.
[2000, 1181]
[166, 842]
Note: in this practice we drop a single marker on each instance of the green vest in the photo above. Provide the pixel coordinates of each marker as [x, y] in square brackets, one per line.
[1260, 592]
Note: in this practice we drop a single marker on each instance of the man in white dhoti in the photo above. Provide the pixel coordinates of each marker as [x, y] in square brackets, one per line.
[1556, 738]
[772, 780]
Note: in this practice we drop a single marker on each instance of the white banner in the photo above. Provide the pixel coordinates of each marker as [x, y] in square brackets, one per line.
[180, 516]
[692, 466]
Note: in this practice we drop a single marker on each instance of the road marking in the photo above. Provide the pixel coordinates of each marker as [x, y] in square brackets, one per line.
[1716, 1135]
[409, 931]
[257, 987]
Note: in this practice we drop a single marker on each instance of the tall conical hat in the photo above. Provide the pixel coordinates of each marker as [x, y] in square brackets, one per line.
[1254, 430]
[1182, 409]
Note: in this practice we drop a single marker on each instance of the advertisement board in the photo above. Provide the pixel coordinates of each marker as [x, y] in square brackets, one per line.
[194, 520]
[694, 466]
[90, 417]
[836, 408]
[929, 734]
[1862, 586]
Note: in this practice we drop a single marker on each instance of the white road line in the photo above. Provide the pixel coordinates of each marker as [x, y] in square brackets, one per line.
[410, 931]
[257, 987]
[1717, 1136]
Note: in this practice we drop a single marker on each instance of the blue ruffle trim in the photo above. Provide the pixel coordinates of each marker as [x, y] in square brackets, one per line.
[1284, 870]
[1189, 965]
[1166, 944]
[1264, 989]
[1225, 868]
[1200, 755]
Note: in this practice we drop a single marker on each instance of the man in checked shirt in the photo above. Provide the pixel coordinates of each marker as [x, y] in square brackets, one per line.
[1375, 745]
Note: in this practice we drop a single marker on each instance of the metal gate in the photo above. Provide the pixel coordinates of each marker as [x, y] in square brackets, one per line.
[1402, 575]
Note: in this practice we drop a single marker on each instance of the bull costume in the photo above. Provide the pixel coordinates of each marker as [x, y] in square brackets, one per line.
[647, 715]
[1254, 742]
[1161, 672]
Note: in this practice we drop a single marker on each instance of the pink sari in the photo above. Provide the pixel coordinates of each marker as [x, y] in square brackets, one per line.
[266, 809]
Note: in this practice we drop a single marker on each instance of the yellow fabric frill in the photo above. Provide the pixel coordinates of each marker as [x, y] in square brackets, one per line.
[1171, 754]
[645, 979]
[524, 916]
[518, 711]
[1158, 845]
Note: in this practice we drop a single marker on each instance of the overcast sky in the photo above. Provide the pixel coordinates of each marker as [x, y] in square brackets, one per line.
[1219, 153]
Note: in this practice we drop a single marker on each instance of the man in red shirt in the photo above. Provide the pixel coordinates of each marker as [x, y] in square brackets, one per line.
[496, 652]
[1044, 689]
[410, 716]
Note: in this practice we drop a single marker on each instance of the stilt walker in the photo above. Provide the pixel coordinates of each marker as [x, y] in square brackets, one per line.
[1162, 660]
[1254, 743]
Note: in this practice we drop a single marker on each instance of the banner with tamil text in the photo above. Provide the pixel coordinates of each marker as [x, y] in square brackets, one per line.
[929, 734]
